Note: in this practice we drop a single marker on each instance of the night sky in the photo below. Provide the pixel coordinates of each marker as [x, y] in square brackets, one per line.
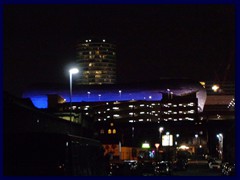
[153, 41]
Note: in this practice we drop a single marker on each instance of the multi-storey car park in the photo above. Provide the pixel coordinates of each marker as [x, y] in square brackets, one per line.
[126, 115]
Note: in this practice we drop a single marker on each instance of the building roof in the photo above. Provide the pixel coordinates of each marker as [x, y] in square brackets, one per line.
[149, 91]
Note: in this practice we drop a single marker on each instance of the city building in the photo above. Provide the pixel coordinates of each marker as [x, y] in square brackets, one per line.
[126, 115]
[97, 60]
[219, 111]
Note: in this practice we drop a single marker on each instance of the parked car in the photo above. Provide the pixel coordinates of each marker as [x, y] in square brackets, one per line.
[114, 169]
[163, 168]
[147, 168]
[181, 164]
[130, 167]
[214, 165]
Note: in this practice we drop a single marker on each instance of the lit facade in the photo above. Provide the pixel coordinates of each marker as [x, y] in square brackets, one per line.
[131, 113]
[97, 62]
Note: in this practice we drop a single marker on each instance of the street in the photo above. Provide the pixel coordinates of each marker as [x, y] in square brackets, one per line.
[198, 168]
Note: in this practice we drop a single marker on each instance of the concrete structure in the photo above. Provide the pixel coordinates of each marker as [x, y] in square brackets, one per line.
[132, 113]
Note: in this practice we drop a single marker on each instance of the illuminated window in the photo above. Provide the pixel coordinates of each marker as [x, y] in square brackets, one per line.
[102, 131]
[109, 131]
[191, 111]
[97, 52]
[111, 124]
[98, 72]
[114, 131]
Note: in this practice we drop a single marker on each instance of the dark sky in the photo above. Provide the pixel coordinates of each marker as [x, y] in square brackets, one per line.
[153, 41]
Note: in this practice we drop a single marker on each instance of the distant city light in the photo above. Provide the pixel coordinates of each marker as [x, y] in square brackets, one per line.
[184, 147]
[215, 87]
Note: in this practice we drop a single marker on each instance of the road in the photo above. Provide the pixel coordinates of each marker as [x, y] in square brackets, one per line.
[198, 168]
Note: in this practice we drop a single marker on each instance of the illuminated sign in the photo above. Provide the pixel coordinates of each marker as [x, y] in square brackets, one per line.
[145, 145]
[167, 140]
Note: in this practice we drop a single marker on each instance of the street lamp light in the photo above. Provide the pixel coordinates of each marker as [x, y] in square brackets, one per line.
[168, 90]
[176, 142]
[71, 72]
[160, 137]
[160, 131]
[120, 93]
[215, 87]
[88, 94]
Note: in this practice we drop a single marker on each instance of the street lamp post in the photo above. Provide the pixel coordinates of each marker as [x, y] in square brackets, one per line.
[160, 140]
[88, 94]
[120, 93]
[160, 134]
[71, 72]
[196, 149]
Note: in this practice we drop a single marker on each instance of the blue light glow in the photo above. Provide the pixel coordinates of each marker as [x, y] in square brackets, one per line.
[39, 98]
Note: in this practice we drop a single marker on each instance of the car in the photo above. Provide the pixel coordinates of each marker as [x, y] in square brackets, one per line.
[114, 169]
[181, 164]
[147, 168]
[163, 168]
[214, 165]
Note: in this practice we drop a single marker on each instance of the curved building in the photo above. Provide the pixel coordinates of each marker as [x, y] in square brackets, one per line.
[97, 62]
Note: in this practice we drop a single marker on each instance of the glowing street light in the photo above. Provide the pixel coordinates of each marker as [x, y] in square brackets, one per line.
[88, 94]
[160, 131]
[71, 72]
[120, 93]
[168, 90]
[215, 87]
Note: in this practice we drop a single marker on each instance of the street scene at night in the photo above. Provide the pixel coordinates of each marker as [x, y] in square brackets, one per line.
[119, 90]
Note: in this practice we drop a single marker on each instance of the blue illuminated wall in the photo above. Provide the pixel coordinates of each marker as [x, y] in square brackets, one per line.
[39, 98]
